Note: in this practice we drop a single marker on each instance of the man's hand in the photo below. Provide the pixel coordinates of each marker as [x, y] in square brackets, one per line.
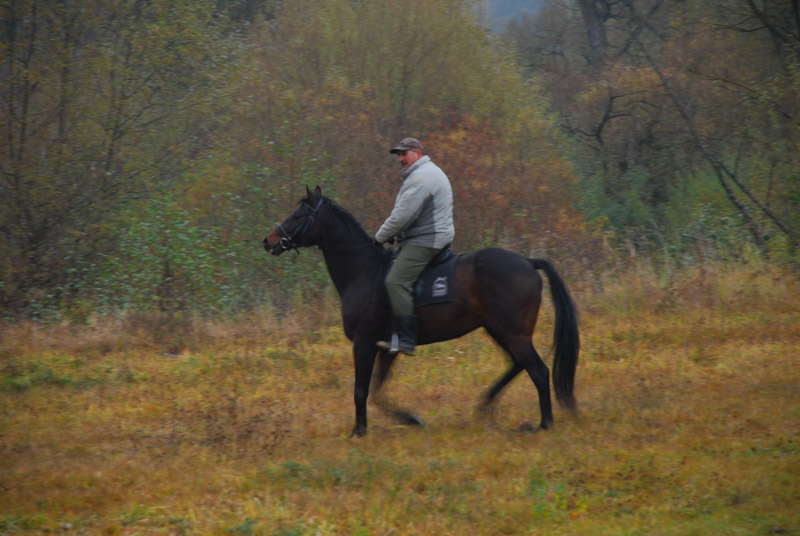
[376, 243]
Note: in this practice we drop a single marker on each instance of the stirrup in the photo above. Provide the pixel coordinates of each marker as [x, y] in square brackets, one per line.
[392, 347]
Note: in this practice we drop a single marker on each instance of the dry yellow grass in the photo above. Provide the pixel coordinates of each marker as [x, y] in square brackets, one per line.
[689, 424]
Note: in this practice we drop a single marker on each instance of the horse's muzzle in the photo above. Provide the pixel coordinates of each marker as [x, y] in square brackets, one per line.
[273, 246]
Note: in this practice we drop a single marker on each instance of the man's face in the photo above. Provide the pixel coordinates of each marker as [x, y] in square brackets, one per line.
[407, 158]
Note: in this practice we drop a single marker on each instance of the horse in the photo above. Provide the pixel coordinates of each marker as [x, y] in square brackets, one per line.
[494, 289]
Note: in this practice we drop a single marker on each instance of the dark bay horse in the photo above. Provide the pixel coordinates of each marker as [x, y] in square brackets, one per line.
[495, 289]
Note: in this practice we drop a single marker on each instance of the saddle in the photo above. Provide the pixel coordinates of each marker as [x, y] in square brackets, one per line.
[435, 283]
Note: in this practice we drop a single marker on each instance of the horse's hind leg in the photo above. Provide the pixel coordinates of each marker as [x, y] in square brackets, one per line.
[487, 405]
[524, 356]
[540, 375]
[382, 401]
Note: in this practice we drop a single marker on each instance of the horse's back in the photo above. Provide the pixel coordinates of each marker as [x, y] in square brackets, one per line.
[507, 288]
[496, 267]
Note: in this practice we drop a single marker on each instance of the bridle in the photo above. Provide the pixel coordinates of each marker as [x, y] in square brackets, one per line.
[294, 240]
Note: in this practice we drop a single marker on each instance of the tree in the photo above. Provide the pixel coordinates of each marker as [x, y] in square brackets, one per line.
[684, 89]
[745, 121]
[335, 83]
[100, 106]
[595, 13]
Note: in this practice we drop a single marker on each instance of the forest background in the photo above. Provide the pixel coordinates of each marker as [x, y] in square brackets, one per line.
[148, 147]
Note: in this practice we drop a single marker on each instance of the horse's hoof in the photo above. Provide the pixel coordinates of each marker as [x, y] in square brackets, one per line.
[409, 419]
[528, 428]
[358, 431]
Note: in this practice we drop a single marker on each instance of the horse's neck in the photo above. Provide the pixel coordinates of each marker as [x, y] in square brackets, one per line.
[348, 252]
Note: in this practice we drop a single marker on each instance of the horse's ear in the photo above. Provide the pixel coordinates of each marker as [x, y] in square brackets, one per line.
[316, 194]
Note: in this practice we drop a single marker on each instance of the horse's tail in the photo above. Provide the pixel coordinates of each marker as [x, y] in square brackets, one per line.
[566, 340]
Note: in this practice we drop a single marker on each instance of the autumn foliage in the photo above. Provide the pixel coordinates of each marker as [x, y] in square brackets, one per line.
[148, 147]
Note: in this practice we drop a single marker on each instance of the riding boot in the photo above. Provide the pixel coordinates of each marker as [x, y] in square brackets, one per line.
[404, 339]
[407, 327]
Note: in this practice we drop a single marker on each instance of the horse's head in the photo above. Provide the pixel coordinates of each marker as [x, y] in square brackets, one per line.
[295, 231]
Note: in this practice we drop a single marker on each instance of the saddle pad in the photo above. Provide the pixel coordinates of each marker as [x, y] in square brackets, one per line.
[435, 285]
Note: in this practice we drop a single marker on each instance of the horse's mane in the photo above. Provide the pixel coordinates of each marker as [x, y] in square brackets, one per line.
[348, 217]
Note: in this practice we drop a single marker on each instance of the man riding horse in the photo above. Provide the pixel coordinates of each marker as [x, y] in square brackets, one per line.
[422, 222]
[492, 288]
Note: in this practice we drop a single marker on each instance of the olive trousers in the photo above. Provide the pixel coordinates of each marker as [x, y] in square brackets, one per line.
[404, 274]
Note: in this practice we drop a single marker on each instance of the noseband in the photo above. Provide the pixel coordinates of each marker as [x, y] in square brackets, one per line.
[294, 241]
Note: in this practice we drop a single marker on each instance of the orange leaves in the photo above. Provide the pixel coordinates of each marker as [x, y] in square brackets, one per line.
[505, 196]
[346, 80]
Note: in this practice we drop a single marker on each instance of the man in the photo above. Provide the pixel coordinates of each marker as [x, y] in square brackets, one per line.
[422, 222]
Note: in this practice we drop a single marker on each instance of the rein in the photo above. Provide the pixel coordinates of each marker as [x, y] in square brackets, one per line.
[292, 241]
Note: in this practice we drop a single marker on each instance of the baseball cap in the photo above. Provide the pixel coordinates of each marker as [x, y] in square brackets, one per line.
[406, 144]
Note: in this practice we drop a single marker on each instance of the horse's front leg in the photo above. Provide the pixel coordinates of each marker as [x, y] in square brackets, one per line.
[401, 415]
[364, 361]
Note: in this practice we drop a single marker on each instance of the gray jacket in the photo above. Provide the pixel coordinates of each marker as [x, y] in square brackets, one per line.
[423, 209]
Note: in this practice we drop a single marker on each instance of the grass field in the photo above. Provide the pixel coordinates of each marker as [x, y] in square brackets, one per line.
[689, 423]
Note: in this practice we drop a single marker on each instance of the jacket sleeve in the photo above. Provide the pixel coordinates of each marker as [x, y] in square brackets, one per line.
[407, 207]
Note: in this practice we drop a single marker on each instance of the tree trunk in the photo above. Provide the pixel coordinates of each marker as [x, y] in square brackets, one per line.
[595, 31]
